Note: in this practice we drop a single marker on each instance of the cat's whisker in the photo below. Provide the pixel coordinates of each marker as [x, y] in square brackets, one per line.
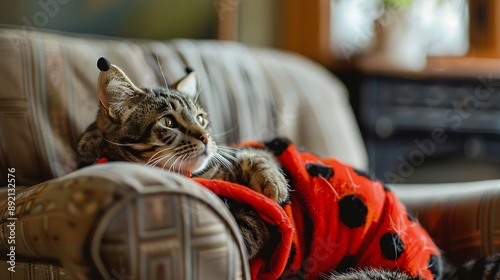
[224, 133]
[230, 162]
[225, 163]
[182, 164]
[219, 137]
[172, 129]
[175, 155]
[168, 156]
[158, 144]
[171, 166]
[166, 149]
[174, 164]
[161, 70]
[151, 158]
[159, 159]
[119, 144]
[227, 150]
[226, 155]
[199, 91]
[154, 155]
[330, 186]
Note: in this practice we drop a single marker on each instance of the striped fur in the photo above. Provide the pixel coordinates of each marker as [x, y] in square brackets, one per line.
[138, 135]
[480, 269]
[370, 274]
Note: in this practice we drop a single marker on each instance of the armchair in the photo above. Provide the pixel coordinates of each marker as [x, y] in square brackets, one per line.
[127, 221]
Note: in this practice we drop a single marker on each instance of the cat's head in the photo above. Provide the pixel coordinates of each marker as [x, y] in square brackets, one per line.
[162, 127]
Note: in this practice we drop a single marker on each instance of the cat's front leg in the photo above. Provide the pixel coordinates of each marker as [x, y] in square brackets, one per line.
[251, 167]
[259, 170]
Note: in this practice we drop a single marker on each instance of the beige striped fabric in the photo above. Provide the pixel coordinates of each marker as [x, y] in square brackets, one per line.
[49, 95]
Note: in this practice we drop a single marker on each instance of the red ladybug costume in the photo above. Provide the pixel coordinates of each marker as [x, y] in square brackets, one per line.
[337, 218]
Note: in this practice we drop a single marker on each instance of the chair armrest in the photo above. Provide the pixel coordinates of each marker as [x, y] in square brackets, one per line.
[463, 218]
[125, 219]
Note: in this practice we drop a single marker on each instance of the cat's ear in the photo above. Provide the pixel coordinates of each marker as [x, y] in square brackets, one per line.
[116, 91]
[189, 84]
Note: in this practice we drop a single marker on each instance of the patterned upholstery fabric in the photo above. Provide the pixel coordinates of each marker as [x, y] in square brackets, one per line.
[463, 218]
[122, 220]
[34, 270]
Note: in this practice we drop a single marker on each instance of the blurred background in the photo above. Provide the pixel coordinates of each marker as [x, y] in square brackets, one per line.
[423, 76]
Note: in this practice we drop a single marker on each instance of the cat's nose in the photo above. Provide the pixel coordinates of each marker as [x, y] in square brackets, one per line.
[203, 138]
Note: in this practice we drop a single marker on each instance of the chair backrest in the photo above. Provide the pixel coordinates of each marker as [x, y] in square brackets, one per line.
[48, 95]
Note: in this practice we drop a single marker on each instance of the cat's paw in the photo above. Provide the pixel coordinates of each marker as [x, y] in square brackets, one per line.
[261, 173]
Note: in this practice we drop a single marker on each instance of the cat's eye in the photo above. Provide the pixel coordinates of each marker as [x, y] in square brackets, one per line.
[167, 121]
[201, 120]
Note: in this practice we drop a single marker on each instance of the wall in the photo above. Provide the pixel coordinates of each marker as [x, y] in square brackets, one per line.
[151, 19]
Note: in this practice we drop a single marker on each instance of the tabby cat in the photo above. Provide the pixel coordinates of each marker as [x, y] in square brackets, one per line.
[167, 128]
